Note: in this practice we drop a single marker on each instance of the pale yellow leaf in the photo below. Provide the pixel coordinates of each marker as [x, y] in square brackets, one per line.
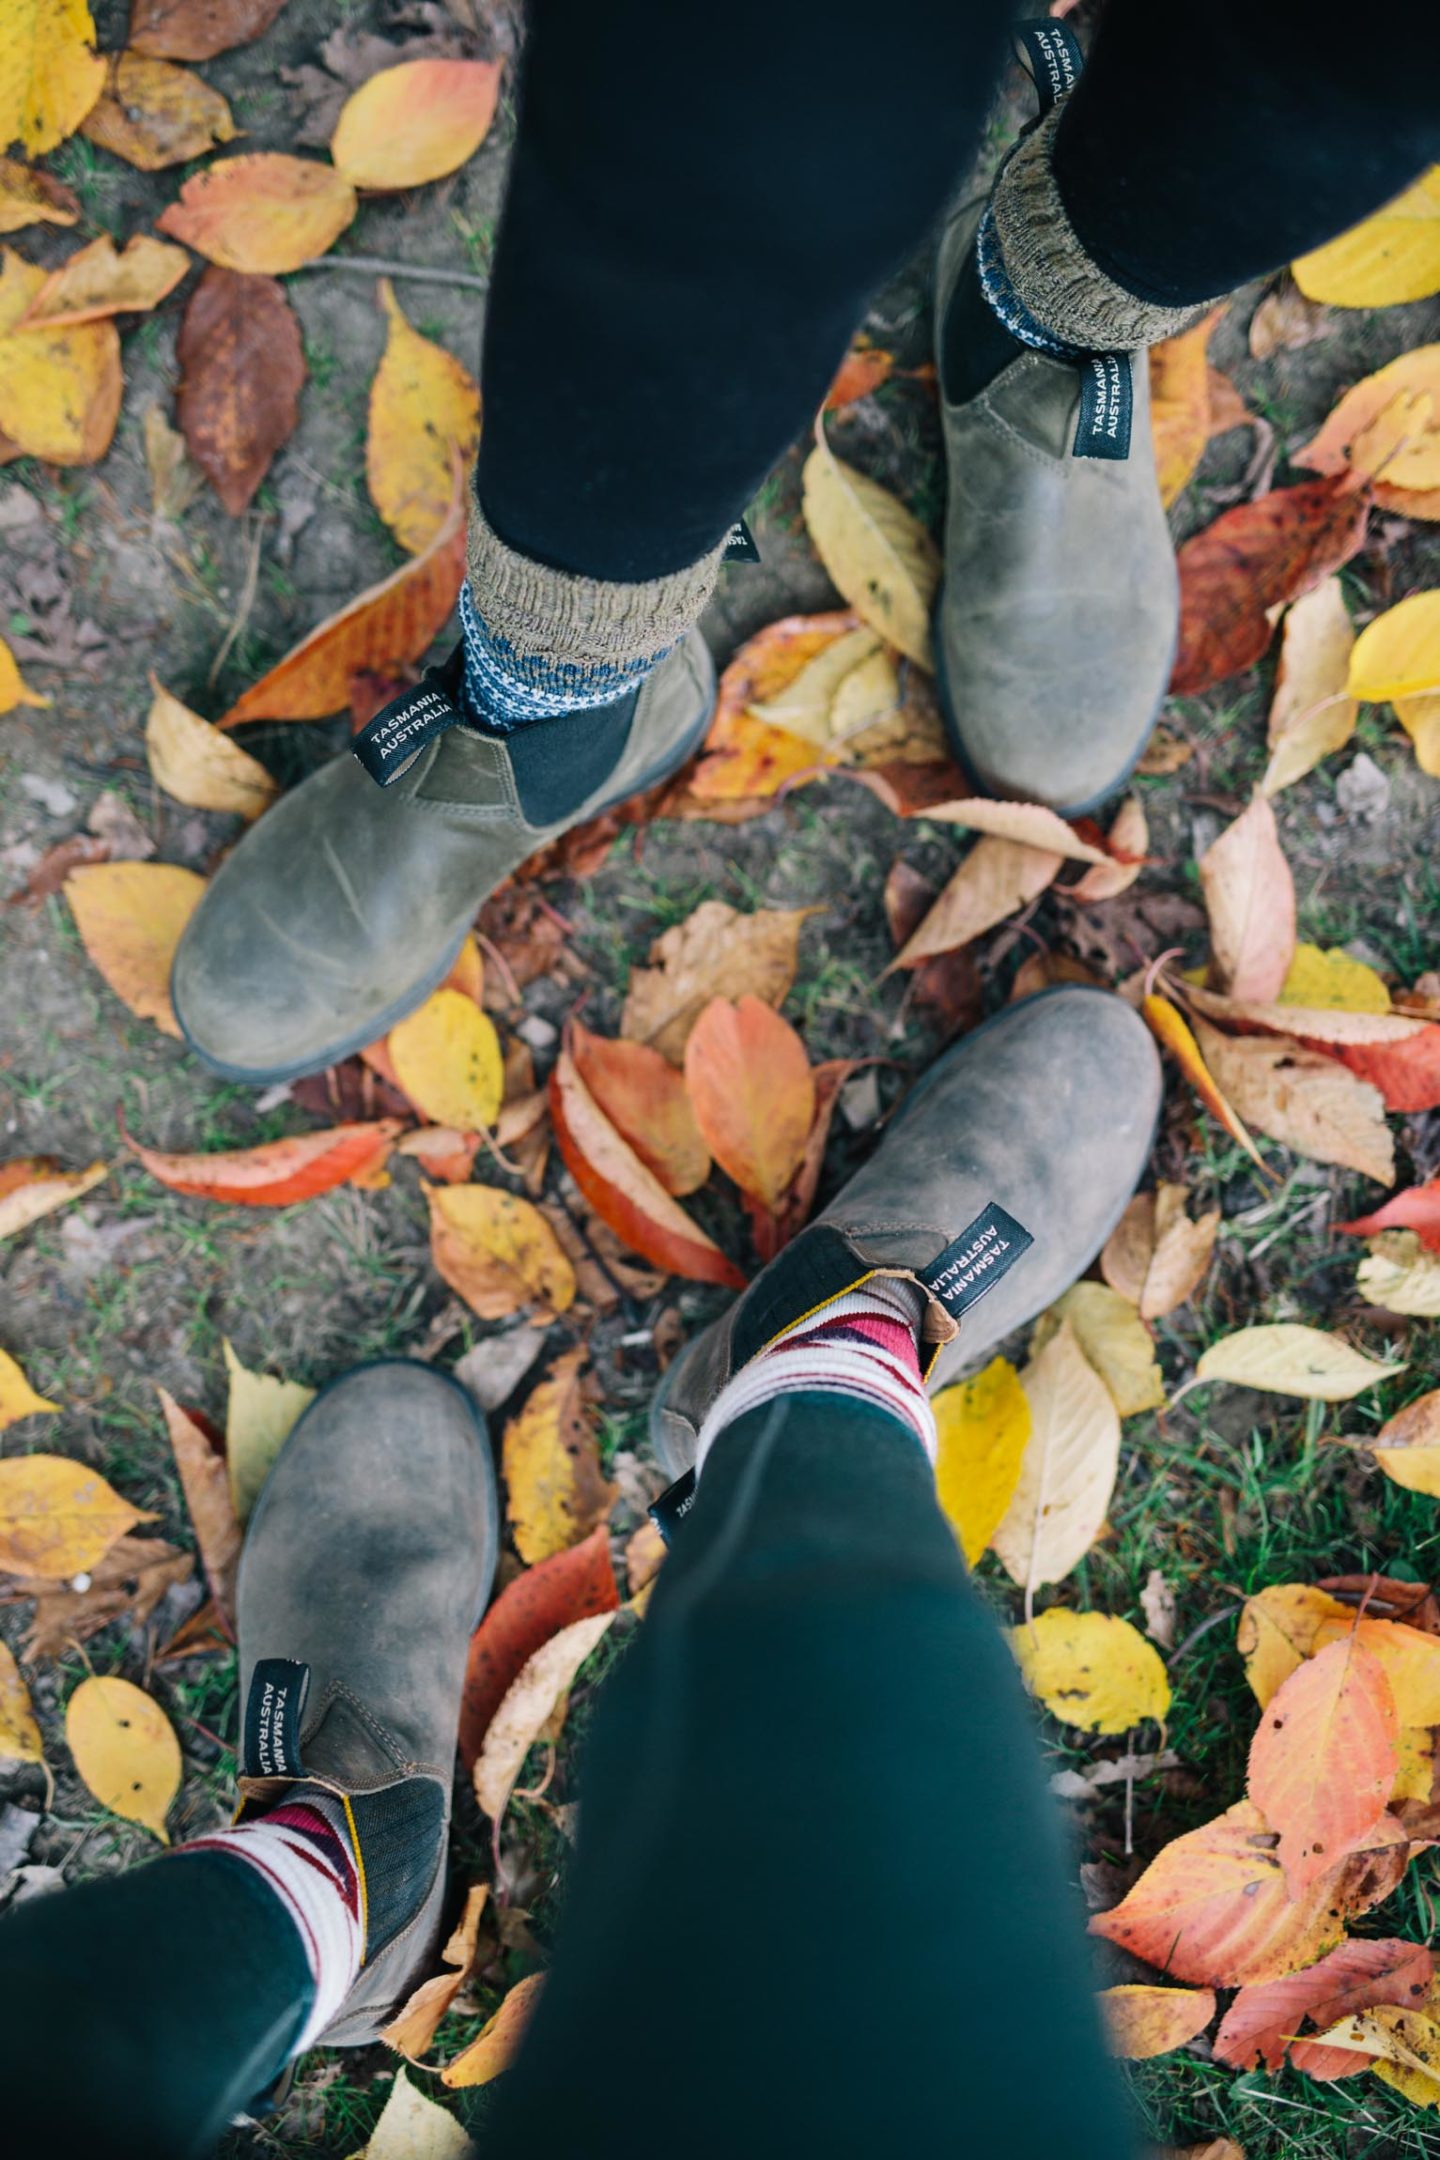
[1128, 837]
[1407, 1447]
[983, 1425]
[125, 1749]
[1310, 715]
[1401, 1275]
[878, 554]
[1031, 824]
[19, 1733]
[447, 1058]
[1285, 1358]
[1250, 900]
[1156, 1256]
[528, 1702]
[32, 1186]
[806, 705]
[131, 916]
[1091, 1669]
[1142, 2021]
[414, 2127]
[197, 764]
[259, 1417]
[1115, 1339]
[996, 878]
[1068, 1470]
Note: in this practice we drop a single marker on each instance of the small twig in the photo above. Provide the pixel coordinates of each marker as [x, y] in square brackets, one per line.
[1203, 1629]
[387, 266]
[243, 607]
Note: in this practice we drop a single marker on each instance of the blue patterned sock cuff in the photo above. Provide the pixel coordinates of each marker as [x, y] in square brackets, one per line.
[501, 690]
[1005, 303]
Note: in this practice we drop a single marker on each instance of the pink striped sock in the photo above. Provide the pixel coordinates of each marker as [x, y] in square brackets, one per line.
[303, 1850]
[863, 1344]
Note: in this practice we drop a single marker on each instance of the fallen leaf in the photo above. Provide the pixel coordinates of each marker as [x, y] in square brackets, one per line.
[1329, 1025]
[623, 1193]
[1306, 1101]
[1068, 1468]
[205, 1482]
[1310, 716]
[746, 758]
[262, 213]
[860, 374]
[443, 1152]
[805, 706]
[573, 1584]
[1407, 1446]
[415, 122]
[1409, 1659]
[1252, 559]
[50, 75]
[413, 2029]
[1181, 413]
[125, 1583]
[494, 2048]
[1417, 1209]
[1402, 2046]
[1250, 900]
[1398, 654]
[1401, 1276]
[1031, 824]
[124, 1748]
[280, 1172]
[198, 29]
[1285, 1358]
[14, 690]
[1116, 1341]
[153, 114]
[753, 1094]
[57, 1517]
[716, 952]
[1350, 429]
[1324, 1758]
[1277, 1630]
[1091, 1670]
[1285, 321]
[261, 1412]
[130, 916]
[528, 1703]
[33, 1186]
[983, 1425]
[1157, 1603]
[1391, 257]
[1142, 2022]
[447, 1058]
[414, 2127]
[1174, 1032]
[59, 388]
[424, 414]
[497, 1251]
[1166, 752]
[1407, 1074]
[773, 1231]
[995, 879]
[392, 622]
[555, 1489]
[17, 1398]
[195, 763]
[1128, 843]
[1262, 2021]
[1156, 1256]
[1333, 981]
[96, 282]
[33, 198]
[19, 1733]
[878, 554]
[242, 369]
[646, 1101]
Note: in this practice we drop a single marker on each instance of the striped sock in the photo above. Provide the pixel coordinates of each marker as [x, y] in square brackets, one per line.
[863, 1344]
[305, 1852]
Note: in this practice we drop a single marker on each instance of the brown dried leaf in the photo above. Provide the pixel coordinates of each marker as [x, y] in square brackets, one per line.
[716, 952]
[1306, 1102]
[198, 29]
[241, 372]
[128, 1582]
[996, 878]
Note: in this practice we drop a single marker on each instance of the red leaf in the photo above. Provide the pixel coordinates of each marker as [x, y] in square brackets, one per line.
[280, 1172]
[1262, 2020]
[570, 1585]
[1418, 1210]
[1324, 1758]
[1406, 1073]
[1251, 559]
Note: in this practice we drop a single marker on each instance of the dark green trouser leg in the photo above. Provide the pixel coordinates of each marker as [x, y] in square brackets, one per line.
[138, 2014]
[818, 1906]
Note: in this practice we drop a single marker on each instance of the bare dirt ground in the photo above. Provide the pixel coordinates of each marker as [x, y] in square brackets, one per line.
[136, 1286]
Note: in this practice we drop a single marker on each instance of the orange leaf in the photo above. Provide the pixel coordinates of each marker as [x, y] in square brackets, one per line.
[495, 2047]
[773, 1229]
[533, 1606]
[1415, 374]
[645, 1099]
[1171, 1028]
[754, 1095]
[1324, 1757]
[28, 197]
[1418, 1210]
[131, 916]
[96, 282]
[1180, 404]
[1262, 2021]
[861, 373]
[198, 29]
[415, 122]
[442, 1152]
[623, 1192]
[395, 620]
[264, 213]
[745, 757]
[281, 1171]
[1250, 560]
[1250, 899]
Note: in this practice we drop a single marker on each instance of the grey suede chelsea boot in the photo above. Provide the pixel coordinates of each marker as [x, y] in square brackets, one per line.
[345, 905]
[366, 1566]
[993, 1188]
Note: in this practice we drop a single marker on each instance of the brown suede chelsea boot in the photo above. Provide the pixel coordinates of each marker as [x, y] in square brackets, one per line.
[366, 1566]
[993, 1188]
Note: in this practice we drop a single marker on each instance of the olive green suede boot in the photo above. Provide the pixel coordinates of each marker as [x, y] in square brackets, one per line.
[992, 1189]
[366, 1566]
[345, 905]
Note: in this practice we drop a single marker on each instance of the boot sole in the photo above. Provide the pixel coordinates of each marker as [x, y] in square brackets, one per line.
[348, 1045]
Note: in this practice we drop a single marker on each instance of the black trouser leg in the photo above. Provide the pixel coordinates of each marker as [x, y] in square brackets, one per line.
[818, 1905]
[137, 2015]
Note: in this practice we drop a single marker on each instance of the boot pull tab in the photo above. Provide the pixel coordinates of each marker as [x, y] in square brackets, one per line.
[401, 729]
[974, 1262]
[273, 1710]
[1053, 59]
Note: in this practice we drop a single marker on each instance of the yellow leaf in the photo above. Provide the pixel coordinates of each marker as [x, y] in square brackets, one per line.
[17, 1398]
[1091, 1670]
[983, 1425]
[14, 690]
[59, 388]
[494, 2047]
[1407, 1448]
[880, 556]
[1398, 655]
[1142, 2022]
[1180, 414]
[19, 1733]
[1420, 718]
[1115, 1340]
[131, 916]
[193, 761]
[1309, 716]
[497, 1251]
[424, 413]
[155, 114]
[414, 2127]
[1068, 1470]
[1288, 1359]
[1401, 446]
[1277, 1631]
[806, 705]
[1404, 2047]
[1392, 257]
[125, 1749]
[556, 1492]
[415, 122]
[1415, 1772]
[1401, 1275]
[1333, 981]
[259, 1418]
[1384, 429]
[527, 1705]
[96, 282]
[263, 213]
[57, 1517]
[31, 1186]
[32, 198]
[50, 74]
[447, 1058]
